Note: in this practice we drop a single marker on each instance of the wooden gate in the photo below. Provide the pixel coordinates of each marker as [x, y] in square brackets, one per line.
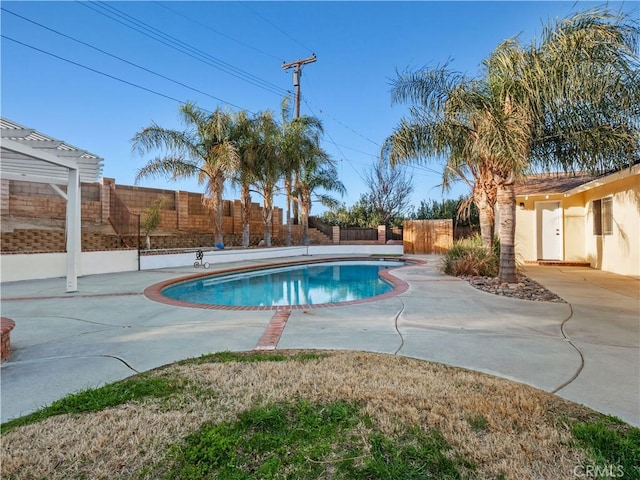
[427, 236]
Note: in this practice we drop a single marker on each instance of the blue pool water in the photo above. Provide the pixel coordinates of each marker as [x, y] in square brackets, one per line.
[290, 285]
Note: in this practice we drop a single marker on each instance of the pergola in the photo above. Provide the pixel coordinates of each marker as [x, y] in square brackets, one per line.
[30, 156]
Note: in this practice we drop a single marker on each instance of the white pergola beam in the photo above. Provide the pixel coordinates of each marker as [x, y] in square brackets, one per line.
[59, 191]
[70, 153]
[50, 144]
[16, 132]
[22, 177]
[45, 156]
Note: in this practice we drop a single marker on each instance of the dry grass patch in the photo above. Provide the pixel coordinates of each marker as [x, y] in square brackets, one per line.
[498, 427]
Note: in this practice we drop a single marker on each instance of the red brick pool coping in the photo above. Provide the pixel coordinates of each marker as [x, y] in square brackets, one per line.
[6, 325]
[271, 335]
[154, 292]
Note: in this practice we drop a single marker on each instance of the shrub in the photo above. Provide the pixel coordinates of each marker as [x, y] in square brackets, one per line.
[467, 257]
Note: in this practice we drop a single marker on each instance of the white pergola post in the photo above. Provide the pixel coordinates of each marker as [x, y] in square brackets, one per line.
[74, 235]
[29, 156]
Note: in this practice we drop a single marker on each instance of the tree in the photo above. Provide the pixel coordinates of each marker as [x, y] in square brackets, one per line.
[317, 173]
[360, 214]
[299, 141]
[268, 169]
[152, 218]
[389, 191]
[385, 203]
[446, 121]
[248, 145]
[570, 101]
[206, 149]
[448, 208]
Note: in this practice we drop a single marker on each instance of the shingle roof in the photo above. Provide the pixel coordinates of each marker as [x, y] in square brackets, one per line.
[551, 183]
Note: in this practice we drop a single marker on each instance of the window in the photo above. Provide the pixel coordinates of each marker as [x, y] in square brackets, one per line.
[603, 216]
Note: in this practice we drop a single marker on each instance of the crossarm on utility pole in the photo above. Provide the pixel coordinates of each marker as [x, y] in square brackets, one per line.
[297, 73]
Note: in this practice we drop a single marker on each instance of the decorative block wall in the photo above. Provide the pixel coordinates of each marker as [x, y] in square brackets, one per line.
[185, 220]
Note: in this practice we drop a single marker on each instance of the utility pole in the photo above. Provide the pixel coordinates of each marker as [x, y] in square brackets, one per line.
[297, 73]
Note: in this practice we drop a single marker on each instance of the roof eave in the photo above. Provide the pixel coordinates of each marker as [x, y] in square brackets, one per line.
[598, 182]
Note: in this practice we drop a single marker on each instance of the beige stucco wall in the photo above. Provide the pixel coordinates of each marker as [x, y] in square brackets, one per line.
[526, 229]
[574, 228]
[618, 252]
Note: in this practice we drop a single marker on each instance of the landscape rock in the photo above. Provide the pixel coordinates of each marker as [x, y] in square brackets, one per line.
[524, 289]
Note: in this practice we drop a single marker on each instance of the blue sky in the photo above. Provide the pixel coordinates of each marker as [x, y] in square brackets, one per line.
[360, 47]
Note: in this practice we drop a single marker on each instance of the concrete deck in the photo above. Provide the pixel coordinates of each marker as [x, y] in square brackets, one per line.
[587, 350]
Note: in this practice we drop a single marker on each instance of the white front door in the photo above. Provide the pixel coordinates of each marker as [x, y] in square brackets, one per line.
[549, 231]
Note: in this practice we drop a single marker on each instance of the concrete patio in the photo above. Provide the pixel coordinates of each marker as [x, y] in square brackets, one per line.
[587, 350]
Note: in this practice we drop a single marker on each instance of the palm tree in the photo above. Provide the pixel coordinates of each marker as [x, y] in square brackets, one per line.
[268, 168]
[205, 149]
[300, 136]
[568, 102]
[317, 172]
[246, 131]
[446, 121]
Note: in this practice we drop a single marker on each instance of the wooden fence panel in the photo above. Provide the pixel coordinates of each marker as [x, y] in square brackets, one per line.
[427, 236]
[354, 234]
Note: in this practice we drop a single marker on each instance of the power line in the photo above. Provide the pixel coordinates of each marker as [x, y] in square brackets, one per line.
[120, 58]
[350, 129]
[204, 25]
[147, 30]
[277, 27]
[359, 151]
[345, 125]
[91, 69]
[333, 142]
[177, 44]
[341, 123]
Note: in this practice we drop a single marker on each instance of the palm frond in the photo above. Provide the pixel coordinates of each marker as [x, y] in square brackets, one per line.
[158, 138]
[172, 167]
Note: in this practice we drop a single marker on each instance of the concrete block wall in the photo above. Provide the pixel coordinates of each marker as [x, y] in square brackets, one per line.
[30, 240]
[39, 200]
[182, 212]
[4, 196]
[139, 198]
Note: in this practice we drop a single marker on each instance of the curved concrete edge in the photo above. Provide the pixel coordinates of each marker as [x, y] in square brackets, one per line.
[31, 385]
[437, 318]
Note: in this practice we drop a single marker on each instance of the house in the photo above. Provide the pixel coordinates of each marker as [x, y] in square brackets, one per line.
[579, 218]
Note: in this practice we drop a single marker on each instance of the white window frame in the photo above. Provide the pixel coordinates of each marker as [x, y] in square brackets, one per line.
[602, 209]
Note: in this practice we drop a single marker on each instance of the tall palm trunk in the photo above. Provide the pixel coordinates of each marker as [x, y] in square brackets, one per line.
[484, 196]
[288, 189]
[305, 207]
[506, 201]
[216, 204]
[245, 211]
[267, 217]
[487, 224]
[296, 217]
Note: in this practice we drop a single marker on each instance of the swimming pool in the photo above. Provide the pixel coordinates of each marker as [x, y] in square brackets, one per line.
[336, 282]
